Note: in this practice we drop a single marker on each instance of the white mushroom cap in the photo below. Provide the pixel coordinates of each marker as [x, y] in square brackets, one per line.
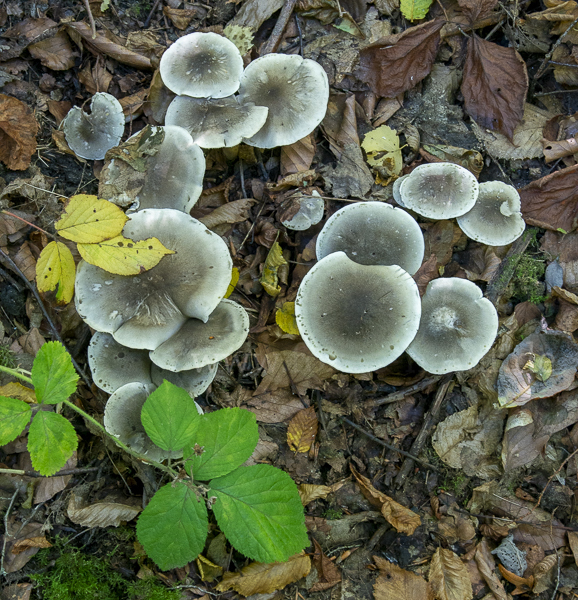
[395, 190]
[217, 123]
[439, 190]
[496, 219]
[296, 92]
[373, 233]
[202, 65]
[92, 135]
[198, 344]
[195, 381]
[458, 326]
[310, 212]
[357, 318]
[145, 310]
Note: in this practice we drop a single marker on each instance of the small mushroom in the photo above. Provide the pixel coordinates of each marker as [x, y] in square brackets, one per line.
[144, 311]
[373, 233]
[198, 344]
[296, 92]
[357, 318]
[202, 65]
[458, 326]
[217, 123]
[495, 219]
[439, 190]
[310, 212]
[395, 190]
[91, 135]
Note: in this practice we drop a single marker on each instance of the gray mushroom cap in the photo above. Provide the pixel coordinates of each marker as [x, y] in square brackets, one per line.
[373, 233]
[495, 219]
[395, 190]
[216, 123]
[144, 311]
[310, 212]
[198, 344]
[296, 92]
[357, 318]
[439, 190]
[458, 326]
[202, 65]
[92, 135]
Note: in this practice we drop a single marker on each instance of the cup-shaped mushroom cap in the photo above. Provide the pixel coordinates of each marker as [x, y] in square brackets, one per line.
[195, 381]
[310, 212]
[92, 135]
[296, 92]
[496, 219]
[354, 317]
[373, 233]
[145, 310]
[216, 123]
[202, 65]
[439, 190]
[458, 326]
[198, 344]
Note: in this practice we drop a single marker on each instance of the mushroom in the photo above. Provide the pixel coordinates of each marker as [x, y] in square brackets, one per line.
[357, 318]
[296, 92]
[495, 219]
[373, 233]
[395, 190]
[91, 135]
[218, 123]
[439, 190]
[310, 212]
[202, 65]
[458, 326]
[198, 344]
[146, 310]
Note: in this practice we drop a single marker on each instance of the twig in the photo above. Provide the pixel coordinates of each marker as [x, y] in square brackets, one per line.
[90, 18]
[540, 94]
[548, 56]
[543, 524]
[6, 212]
[300, 34]
[152, 12]
[6, 534]
[552, 477]
[401, 394]
[77, 471]
[242, 176]
[279, 28]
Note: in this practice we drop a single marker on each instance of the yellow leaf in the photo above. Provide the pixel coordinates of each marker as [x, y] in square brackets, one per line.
[269, 279]
[414, 10]
[208, 570]
[382, 148]
[122, 256]
[448, 576]
[302, 430]
[18, 391]
[55, 270]
[285, 318]
[234, 281]
[310, 491]
[89, 220]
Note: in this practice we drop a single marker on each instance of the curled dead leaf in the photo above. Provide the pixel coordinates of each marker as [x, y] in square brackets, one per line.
[18, 129]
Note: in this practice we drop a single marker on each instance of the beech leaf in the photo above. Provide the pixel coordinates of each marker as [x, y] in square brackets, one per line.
[449, 577]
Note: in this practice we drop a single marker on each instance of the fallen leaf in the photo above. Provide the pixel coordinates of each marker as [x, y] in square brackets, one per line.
[208, 570]
[25, 261]
[274, 407]
[573, 540]
[232, 212]
[55, 52]
[48, 487]
[254, 13]
[18, 391]
[297, 157]
[395, 583]
[233, 283]
[269, 279]
[310, 491]
[414, 10]
[33, 542]
[55, 270]
[17, 591]
[180, 17]
[487, 567]
[476, 10]
[522, 584]
[15, 561]
[302, 430]
[327, 572]
[469, 159]
[543, 571]
[426, 273]
[382, 148]
[449, 577]
[18, 129]
[105, 513]
[285, 318]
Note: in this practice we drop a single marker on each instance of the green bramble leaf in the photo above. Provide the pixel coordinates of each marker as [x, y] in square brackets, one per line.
[14, 416]
[259, 511]
[53, 375]
[170, 417]
[414, 10]
[174, 526]
[51, 442]
[227, 438]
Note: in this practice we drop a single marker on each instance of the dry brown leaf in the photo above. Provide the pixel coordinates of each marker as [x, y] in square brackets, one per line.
[18, 129]
[181, 17]
[327, 572]
[297, 157]
[494, 86]
[254, 13]
[18, 391]
[32, 341]
[59, 110]
[232, 212]
[398, 63]
[105, 513]
[26, 262]
[260, 578]
[309, 492]
[340, 122]
[487, 566]
[395, 583]
[302, 430]
[449, 577]
[476, 10]
[17, 591]
[55, 52]
[26, 32]
[274, 407]
[573, 540]
[522, 584]
[426, 273]
[33, 542]
[159, 98]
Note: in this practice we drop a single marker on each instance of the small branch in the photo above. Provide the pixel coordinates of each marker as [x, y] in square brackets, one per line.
[6, 534]
[153, 10]
[401, 394]
[279, 28]
[6, 212]
[77, 471]
[551, 478]
[548, 56]
[90, 18]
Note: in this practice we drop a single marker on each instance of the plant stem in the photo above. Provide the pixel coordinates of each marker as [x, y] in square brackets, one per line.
[6, 212]
[16, 373]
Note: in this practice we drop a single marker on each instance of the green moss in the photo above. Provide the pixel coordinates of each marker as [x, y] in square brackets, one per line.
[527, 283]
[7, 357]
[332, 514]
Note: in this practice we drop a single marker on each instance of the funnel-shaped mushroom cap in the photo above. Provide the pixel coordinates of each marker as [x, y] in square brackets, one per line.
[373, 233]
[194, 381]
[296, 92]
[458, 326]
[202, 65]
[198, 344]
[144, 311]
[439, 190]
[310, 212]
[92, 136]
[216, 123]
[354, 317]
[496, 219]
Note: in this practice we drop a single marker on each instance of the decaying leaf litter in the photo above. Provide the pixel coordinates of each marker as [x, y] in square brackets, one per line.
[453, 486]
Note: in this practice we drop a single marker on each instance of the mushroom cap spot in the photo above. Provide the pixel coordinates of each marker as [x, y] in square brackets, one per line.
[373, 233]
[458, 327]
[216, 123]
[198, 344]
[310, 212]
[202, 65]
[144, 311]
[495, 219]
[357, 318]
[92, 136]
[194, 381]
[395, 190]
[439, 190]
[296, 92]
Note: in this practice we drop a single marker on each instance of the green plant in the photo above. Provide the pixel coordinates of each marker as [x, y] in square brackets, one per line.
[257, 507]
[526, 283]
